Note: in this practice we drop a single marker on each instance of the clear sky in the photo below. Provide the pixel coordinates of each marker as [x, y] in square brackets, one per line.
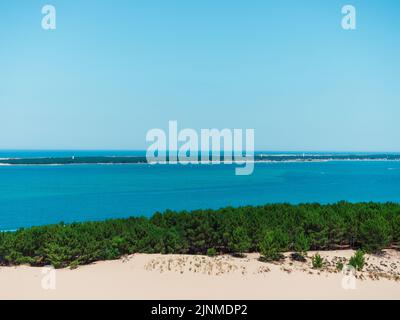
[112, 70]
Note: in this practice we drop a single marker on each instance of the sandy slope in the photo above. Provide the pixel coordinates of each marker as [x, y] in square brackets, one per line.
[142, 276]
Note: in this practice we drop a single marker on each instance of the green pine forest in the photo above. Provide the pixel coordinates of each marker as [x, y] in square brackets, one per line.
[270, 229]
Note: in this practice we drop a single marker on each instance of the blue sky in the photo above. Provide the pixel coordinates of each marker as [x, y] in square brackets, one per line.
[112, 70]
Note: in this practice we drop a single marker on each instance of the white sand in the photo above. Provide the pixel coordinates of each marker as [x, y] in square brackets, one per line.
[142, 276]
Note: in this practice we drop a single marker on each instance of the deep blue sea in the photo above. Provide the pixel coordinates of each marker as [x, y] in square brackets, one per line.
[36, 195]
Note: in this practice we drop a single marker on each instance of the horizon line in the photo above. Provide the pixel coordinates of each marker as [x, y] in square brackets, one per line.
[129, 150]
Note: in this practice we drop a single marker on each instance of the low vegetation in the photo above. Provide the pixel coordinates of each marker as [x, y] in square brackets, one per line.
[211, 252]
[317, 261]
[357, 261]
[270, 246]
[269, 229]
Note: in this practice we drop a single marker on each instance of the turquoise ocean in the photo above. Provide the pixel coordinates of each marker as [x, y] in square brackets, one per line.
[37, 195]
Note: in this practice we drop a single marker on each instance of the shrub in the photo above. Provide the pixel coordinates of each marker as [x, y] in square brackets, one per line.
[301, 245]
[239, 241]
[374, 234]
[317, 261]
[339, 266]
[395, 225]
[357, 261]
[270, 247]
[211, 252]
[282, 239]
[171, 242]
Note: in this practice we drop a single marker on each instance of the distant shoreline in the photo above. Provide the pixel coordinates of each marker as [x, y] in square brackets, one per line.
[105, 160]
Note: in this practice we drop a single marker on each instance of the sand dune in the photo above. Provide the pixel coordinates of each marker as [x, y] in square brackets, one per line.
[143, 276]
